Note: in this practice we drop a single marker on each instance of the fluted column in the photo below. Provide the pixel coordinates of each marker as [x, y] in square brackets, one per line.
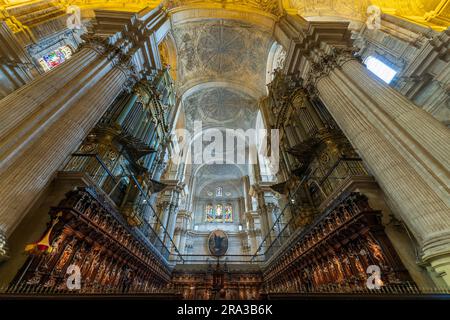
[16, 67]
[182, 227]
[262, 208]
[25, 113]
[406, 149]
[171, 223]
[46, 120]
[164, 208]
[271, 219]
[168, 217]
[247, 197]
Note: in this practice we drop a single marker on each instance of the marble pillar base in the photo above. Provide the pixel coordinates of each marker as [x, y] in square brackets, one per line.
[436, 253]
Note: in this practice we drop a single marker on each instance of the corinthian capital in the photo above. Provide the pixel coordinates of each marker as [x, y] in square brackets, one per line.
[119, 55]
[323, 62]
[99, 44]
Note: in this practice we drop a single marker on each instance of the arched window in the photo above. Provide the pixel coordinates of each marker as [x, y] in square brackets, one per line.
[55, 58]
[228, 216]
[209, 212]
[380, 69]
[219, 213]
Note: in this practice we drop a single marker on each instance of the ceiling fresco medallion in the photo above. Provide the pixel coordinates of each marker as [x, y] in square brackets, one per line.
[220, 106]
[221, 50]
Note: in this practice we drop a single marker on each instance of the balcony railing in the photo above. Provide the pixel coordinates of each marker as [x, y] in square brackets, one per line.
[227, 259]
[282, 230]
[355, 233]
[332, 180]
[115, 189]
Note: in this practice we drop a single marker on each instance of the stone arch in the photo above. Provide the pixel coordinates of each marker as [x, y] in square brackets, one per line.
[168, 54]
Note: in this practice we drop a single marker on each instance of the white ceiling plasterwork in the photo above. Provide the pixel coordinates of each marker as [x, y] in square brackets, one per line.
[221, 50]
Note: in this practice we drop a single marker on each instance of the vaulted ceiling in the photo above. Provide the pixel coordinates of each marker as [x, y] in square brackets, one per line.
[225, 175]
[221, 74]
[219, 50]
[221, 107]
[432, 13]
[416, 10]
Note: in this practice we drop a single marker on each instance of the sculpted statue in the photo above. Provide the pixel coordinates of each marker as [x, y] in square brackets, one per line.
[373, 21]
[74, 17]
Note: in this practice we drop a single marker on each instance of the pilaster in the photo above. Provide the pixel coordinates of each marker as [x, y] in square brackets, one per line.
[45, 121]
[405, 148]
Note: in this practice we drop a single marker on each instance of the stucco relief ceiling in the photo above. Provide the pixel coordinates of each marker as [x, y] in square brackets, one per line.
[221, 74]
[231, 189]
[269, 6]
[221, 107]
[352, 9]
[221, 50]
[227, 176]
[357, 9]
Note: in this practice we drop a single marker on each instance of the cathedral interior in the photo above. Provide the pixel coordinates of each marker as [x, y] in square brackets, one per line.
[224, 149]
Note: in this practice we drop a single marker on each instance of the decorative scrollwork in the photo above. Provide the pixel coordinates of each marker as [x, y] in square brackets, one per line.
[283, 91]
[268, 6]
[325, 63]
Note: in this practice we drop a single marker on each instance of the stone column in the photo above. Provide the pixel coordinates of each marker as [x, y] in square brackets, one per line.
[168, 216]
[405, 148]
[182, 227]
[25, 113]
[171, 223]
[164, 208]
[247, 197]
[16, 67]
[271, 219]
[262, 209]
[44, 121]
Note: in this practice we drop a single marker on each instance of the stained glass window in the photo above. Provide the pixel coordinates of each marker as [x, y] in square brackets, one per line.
[219, 213]
[219, 191]
[228, 217]
[55, 58]
[209, 212]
